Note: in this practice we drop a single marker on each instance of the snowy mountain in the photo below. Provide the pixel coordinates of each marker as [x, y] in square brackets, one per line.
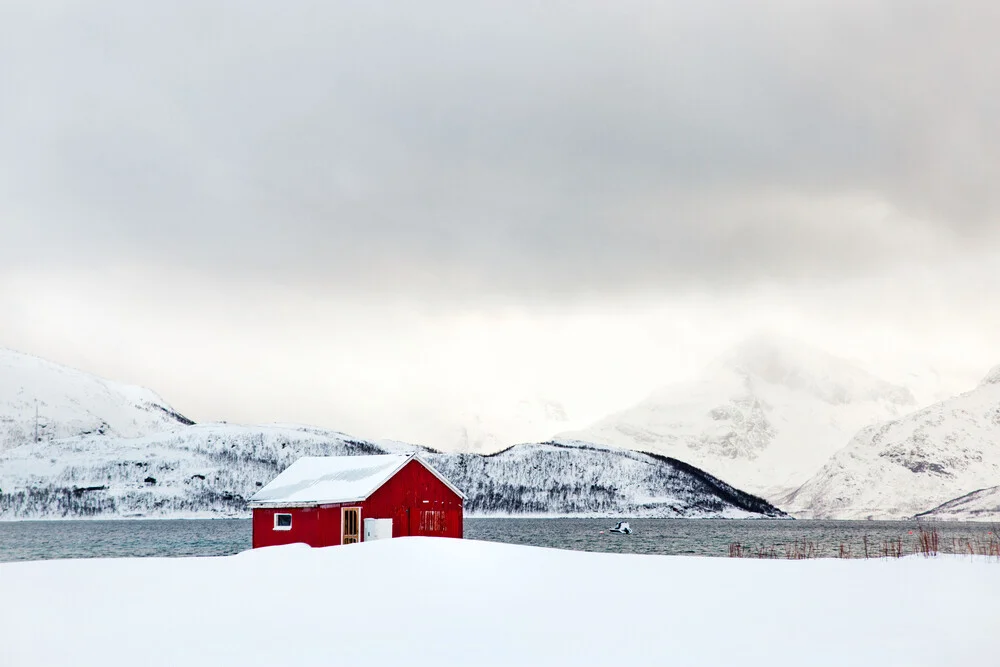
[70, 403]
[582, 478]
[927, 461]
[210, 470]
[765, 416]
[981, 505]
[200, 470]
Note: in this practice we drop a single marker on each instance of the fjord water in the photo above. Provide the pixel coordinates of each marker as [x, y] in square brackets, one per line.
[40, 540]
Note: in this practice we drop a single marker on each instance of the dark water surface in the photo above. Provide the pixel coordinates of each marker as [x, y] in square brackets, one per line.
[713, 537]
[39, 540]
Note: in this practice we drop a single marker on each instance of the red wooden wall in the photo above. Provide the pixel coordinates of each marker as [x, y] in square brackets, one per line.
[417, 502]
[407, 499]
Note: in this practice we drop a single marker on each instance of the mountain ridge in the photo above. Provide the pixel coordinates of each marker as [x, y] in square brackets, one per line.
[762, 400]
[212, 469]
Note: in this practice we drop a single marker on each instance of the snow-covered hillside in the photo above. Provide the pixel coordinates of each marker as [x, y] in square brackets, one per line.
[764, 417]
[912, 465]
[200, 470]
[210, 470]
[581, 478]
[70, 402]
[981, 505]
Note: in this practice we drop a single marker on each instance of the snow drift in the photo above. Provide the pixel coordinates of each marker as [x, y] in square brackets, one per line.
[436, 601]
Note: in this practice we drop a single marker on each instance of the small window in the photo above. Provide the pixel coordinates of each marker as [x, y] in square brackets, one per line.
[282, 521]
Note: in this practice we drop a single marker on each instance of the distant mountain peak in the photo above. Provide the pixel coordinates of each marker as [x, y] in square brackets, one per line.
[45, 400]
[778, 360]
[765, 416]
[993, 377]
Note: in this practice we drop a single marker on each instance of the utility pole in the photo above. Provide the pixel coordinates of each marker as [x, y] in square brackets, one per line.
[36, 420]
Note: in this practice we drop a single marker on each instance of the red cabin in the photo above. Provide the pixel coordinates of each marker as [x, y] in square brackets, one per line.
[327, 500]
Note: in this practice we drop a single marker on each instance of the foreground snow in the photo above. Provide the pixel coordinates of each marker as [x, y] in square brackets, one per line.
[426, 601]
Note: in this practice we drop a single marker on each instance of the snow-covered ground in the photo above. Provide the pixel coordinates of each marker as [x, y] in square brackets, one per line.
[427, 601]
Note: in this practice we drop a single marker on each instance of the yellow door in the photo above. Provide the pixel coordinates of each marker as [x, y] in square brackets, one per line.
[350, 523]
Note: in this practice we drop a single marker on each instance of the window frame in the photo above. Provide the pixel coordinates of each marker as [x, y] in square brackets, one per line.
[276, 526]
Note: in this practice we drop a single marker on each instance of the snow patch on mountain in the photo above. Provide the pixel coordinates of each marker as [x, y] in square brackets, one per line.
[910, 465]
[69, 403]
[765, 416]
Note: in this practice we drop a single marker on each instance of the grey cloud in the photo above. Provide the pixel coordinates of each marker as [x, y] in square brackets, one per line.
[470, 146]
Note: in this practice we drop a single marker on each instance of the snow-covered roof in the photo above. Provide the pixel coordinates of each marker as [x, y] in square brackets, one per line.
[315, 480]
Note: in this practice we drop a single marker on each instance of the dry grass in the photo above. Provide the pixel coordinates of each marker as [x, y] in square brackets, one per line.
[988, 546]
[799, 550]
[767, 552]
[738, 550]
[892, 548]
[927, 543]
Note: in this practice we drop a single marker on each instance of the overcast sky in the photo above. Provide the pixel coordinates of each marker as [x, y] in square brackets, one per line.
[390, 218]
